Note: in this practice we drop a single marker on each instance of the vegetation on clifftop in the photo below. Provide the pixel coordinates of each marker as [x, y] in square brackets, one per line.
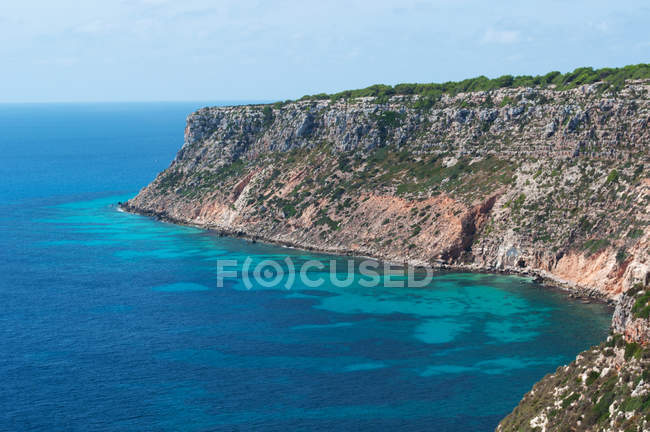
[613, 77]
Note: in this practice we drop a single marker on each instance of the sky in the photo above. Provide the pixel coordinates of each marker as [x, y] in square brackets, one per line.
[255, 50]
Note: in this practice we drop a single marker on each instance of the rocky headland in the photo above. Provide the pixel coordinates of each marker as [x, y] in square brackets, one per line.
[527, 180]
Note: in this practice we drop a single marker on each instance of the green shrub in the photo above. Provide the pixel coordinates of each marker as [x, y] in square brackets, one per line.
[646, 375]
[506, 101]
[326, 220]
[267, 115]
[635, 289]
[517, 203]
[614, 79]
[170, 179]
[633, 350]
[592, 377]
[632, 404]
[289, 210]
[585, 224]
[338, 193]
[635, 233]
[594, 245]
[618, 341]
[601, 409]
[612, 177]
[641, 308]
[570, 399]
[389, 119]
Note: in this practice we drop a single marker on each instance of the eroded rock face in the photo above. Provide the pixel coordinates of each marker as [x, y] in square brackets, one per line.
[631, 318]
[529, 180]
[507, 121]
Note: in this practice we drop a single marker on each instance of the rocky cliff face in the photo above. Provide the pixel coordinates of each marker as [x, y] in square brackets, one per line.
[531, 180]
[631, 316]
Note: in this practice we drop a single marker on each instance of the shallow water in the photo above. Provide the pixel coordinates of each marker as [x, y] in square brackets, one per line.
[113, 321]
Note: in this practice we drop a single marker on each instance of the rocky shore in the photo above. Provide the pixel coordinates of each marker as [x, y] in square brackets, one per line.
[572, 290]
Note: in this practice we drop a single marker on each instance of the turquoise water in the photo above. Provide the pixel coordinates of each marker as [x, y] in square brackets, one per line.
[113, 321]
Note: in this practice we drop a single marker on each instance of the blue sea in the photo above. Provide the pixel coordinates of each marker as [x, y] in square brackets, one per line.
[115, 322]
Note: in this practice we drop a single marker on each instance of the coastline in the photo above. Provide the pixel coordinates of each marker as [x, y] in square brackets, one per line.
[547, 280]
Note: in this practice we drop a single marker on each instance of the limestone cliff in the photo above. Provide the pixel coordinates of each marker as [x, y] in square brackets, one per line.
[632, 314]
[531, 180]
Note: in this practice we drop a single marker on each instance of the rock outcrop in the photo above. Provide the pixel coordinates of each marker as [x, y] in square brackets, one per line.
[631, 316]
[606, 388]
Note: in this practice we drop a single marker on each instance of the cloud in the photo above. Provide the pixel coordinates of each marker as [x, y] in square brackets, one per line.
[501, 36]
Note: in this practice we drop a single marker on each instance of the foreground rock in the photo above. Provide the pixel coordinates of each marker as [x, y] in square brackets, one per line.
[607, 388]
